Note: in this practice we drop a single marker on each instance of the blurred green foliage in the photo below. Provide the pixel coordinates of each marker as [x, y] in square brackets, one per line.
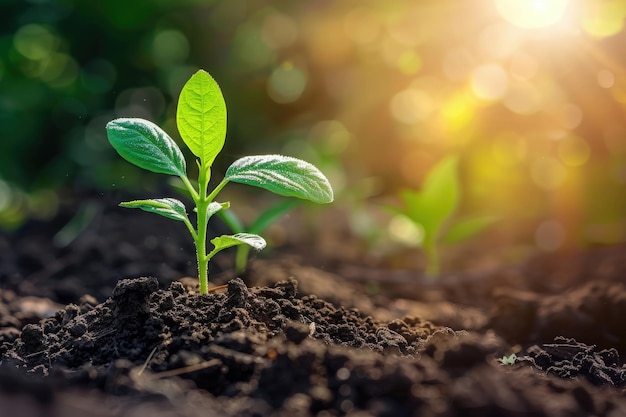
[431, 210]
[361, 88]
[62, 63]
[65, 63]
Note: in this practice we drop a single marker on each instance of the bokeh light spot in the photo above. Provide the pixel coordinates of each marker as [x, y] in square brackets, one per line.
[279, 31]
[571, 116]
[405, 31]
[35, 42]
[333, 136]
[361, 26]
[490, 82]
[573, 151]
[286, 83]
[499, 40]
[176, 77]
[509, 148]
[409, 62]
[606, 79]
[530, 14]
[411, 106]
[457, 64]
[169, 47]
[458, 112]
[550, 235]
[604, 19]
[329, 47]
[618, 91]
[523, 98]
[547, 173]
[249, 50]
[5, 195]
[522, 66]
[64, 71]
[403, 230]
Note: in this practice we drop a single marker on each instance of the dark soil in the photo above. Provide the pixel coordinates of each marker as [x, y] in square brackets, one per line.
[293, 340]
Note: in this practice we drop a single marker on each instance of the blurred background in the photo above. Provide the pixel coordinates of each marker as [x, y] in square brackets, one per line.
[531, 95]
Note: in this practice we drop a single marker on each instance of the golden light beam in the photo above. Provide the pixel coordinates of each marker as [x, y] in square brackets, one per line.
[532, 14]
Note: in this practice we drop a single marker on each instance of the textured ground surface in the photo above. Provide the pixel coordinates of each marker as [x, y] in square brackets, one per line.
[298, 341]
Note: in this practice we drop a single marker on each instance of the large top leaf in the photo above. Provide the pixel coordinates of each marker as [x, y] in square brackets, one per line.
[438, 197]
[146, 145]
[201, 117]
[282, 175]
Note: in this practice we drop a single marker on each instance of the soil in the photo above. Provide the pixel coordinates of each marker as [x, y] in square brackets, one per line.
[109, 323]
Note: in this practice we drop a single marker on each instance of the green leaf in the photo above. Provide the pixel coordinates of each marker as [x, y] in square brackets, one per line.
[77, 224]
[231, 220]
[272, 214]
[282, 175]
[167, 207]
[226, 241]
[214, 207]
[438, 198]
[201, 117]
[146, 145]
[467, 228]
[508, 360]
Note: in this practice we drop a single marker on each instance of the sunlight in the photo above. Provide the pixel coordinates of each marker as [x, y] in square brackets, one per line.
[532, 14]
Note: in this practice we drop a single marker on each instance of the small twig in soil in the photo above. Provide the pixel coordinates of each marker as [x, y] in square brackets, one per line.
[35, 353]
[184, 370]
[100, 335]
[148, 359]
[219, 287]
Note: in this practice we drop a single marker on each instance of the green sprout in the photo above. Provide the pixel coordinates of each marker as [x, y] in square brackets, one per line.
[262, 222]
[432, 208]
[508, 360]
[201, 122]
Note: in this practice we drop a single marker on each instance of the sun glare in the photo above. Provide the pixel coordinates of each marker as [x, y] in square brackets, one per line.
[532, 14]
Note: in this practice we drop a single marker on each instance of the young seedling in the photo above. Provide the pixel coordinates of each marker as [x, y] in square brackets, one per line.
[508, 360]
[432, 208]
[258, 226]
[201, 121]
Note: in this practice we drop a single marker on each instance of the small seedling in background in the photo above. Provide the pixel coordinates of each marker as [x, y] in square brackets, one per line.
[265, 219]
[508, 360]
[201, 121]
[432, 207]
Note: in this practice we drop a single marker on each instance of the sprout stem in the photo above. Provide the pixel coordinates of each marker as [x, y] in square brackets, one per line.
[202, 204]
[432, 259]
[192, 191]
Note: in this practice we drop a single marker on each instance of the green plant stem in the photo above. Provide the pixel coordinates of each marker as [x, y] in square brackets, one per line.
[202, 204]
[199, 235]
[241, 258]
[432, 258]
[203, 258]
[217, 189]
[192, 231]
[190, 189]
